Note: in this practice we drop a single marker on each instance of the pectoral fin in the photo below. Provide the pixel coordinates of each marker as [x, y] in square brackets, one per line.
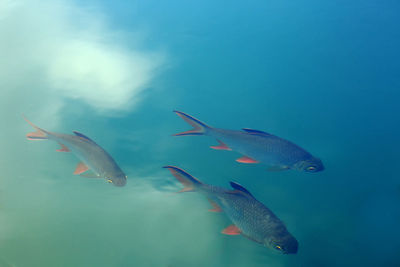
[231, 230]
[246, 159]
[186, 189]
[90, 174]
[80, 168]
[278, 168]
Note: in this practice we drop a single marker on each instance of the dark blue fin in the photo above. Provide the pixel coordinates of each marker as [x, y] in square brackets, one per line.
[83, 136]
[252, 131]
[240, 188]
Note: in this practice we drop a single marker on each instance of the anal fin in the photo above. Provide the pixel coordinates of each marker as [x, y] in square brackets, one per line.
[221, 146]
[80, 168]
[246, 159]
[231, 230]
[63, 148]
[186, 189]
[216, 207]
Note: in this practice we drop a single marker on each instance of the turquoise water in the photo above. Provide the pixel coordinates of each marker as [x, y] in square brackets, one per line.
[323, 75]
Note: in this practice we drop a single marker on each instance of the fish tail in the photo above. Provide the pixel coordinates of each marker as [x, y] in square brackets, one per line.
[40, 134]
[199, 128]
[189, 182]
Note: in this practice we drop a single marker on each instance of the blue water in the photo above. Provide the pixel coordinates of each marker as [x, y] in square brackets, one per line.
[321, 74]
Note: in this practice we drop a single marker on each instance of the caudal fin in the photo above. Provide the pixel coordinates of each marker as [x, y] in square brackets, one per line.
[189, 182]
[40, 134]
[199, 128]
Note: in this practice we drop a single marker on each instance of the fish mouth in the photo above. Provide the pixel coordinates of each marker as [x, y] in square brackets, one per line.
[292, 247]
[286, 245]
[290, 252]
[119, 182]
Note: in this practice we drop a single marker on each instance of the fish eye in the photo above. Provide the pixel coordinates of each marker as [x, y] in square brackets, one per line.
[109, 181]
[278, 247]
[311, 168]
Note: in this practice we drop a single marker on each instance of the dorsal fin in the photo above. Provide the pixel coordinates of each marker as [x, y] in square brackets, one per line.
[83, 136]
[240, 188]
[252, 131]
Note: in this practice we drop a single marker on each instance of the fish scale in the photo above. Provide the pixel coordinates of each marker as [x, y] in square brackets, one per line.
[250, 217]
[256, 146]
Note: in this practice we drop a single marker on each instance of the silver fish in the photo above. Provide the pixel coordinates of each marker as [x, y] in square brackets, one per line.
[250, 217]
[257, 146]
[92, 156]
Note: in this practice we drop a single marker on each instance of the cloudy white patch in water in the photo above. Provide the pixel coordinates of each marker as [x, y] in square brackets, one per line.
[67, 52]
[102, 75]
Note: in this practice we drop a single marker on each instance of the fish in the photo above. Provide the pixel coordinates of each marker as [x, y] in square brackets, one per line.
[256, 146]
[250, 218]
[92, 156]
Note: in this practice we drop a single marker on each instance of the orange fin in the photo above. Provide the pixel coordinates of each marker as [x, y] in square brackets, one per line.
[216, 207]
[63, 148]
[246, 159]
[81, 168]
[186, 189]
[221, 146]
[40, 134]
[199, 128]
[188, 181]
[231, 230]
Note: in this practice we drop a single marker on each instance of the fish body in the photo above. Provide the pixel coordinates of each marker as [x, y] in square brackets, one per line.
[92, 156]
[257, 146]
[250, 217]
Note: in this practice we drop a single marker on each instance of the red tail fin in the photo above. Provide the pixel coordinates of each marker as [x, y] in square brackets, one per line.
[199, 128]
[40, 134]
[188, 181]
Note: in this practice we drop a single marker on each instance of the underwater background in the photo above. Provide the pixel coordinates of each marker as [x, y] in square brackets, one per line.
[324, 75]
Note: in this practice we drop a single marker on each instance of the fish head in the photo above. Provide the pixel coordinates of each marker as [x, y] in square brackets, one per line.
[310, 165]
[285, 244]
[117, 179]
